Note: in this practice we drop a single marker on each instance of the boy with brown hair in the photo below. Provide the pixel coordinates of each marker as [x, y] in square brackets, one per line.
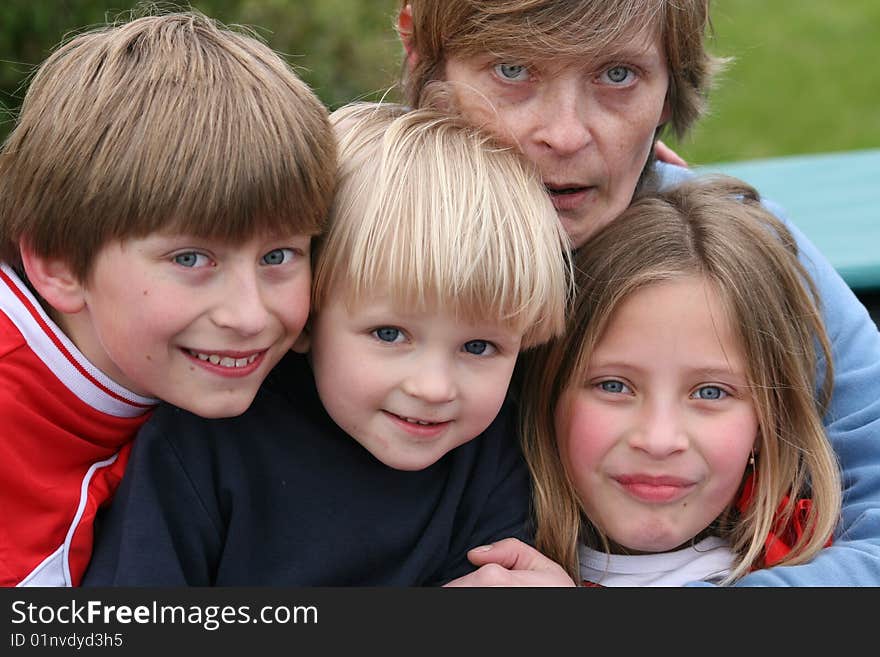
[158, 197]
[384, 453]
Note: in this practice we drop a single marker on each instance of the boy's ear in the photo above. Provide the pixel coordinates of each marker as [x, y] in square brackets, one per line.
[405, 30]
[304, 341]
[53, 280]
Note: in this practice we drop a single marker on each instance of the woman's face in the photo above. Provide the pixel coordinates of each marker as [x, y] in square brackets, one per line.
[589, 126]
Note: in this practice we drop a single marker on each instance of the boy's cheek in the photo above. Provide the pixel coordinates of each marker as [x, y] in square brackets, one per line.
[491, 393]
[294, 310]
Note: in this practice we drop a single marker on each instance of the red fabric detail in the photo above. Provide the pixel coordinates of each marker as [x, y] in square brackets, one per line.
[102, 487]
[49, 438]
[780, 540]
[10, 338]
[35, 315]
[587, 583]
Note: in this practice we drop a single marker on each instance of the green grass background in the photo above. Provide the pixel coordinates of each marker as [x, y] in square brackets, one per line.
[805, 79]
[805, 76]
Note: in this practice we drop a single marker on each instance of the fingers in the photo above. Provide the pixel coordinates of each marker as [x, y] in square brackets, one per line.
[665, 154]
[511, 554]
[510, 562]
[493, 575]
[488, 575]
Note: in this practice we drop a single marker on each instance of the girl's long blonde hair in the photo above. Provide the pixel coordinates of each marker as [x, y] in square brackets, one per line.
[715, 228]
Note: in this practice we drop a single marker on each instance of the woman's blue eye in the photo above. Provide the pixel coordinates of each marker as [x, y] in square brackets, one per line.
[387, 333]
[710, 392]
[477, 347]
[278, 257]
[191, 259]
[613, 386]
[618, 74]
[516, 72]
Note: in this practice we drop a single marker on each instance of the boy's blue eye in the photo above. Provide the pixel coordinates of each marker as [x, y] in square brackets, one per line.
[514, 72]
[191, 259]
[278, 257]
[710, 392]
[387, 334]
[478, 347]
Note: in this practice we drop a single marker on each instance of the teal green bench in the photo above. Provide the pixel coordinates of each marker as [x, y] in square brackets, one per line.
[834, 198]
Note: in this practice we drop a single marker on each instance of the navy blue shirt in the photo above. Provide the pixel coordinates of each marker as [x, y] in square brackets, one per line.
[281, 496]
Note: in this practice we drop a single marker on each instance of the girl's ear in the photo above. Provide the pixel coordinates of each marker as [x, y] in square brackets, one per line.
[53, 280]
[405, 30]
[303, 341]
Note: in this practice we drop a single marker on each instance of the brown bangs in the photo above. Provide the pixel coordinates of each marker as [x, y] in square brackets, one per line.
[169, 123]
[567, 30]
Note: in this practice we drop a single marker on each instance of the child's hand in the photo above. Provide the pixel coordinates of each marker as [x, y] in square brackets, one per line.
[512, 563]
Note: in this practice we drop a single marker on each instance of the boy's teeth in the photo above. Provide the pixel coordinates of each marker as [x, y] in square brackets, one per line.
[224, 361]
[415, 421]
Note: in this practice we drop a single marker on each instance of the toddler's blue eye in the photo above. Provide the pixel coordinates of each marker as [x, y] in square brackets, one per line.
[387, 333]
[476, 347]
[613, 386]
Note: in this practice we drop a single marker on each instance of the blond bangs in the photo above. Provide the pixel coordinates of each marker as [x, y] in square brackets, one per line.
[435, 213]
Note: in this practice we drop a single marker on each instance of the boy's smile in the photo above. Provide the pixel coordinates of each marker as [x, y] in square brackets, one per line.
[418, 429]
[195, 322]
[238, 363]
[409, 386]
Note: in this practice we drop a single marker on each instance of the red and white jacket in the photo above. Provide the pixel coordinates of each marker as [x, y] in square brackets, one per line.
[65, 436]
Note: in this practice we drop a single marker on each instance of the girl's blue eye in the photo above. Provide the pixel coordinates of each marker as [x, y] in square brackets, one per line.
[387, 334]
[278, 257]
[478, 347]
[514, 72]
[710, 392]
[613, 386]
[191, 259]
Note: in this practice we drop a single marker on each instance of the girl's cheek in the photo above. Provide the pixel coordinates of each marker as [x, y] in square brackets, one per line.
[583, 432]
